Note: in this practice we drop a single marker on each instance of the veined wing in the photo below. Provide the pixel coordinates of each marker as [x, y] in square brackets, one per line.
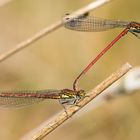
[23, 98]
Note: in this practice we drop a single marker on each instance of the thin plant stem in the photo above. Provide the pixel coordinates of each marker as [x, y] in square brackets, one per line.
[50, 29]
[49, 126]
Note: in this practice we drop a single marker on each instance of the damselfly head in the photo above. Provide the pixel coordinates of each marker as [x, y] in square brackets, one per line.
[135, 29]
[81, 93]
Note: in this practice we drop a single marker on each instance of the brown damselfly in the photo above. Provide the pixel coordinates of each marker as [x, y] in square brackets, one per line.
[27, 97]
[22, 98]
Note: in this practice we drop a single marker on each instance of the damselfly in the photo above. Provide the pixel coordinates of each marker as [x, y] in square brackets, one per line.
[87, 23]
[22, 98]
[67, 96]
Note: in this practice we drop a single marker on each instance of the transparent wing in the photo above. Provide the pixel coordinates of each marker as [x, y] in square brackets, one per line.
[23, 98]
[18, 102]
[94, 24]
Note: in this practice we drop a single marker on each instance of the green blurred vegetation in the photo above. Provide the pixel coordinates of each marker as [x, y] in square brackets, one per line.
[55, 61]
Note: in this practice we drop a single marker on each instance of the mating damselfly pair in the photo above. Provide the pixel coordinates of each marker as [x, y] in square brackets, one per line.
[68, 96]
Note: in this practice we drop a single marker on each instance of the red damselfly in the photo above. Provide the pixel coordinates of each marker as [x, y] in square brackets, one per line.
[87, 23]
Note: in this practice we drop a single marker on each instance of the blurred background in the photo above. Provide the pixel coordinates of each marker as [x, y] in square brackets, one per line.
[54, 61]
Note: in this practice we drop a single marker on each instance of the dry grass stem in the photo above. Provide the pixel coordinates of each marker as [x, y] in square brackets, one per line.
[52, 124]
[50, 29]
